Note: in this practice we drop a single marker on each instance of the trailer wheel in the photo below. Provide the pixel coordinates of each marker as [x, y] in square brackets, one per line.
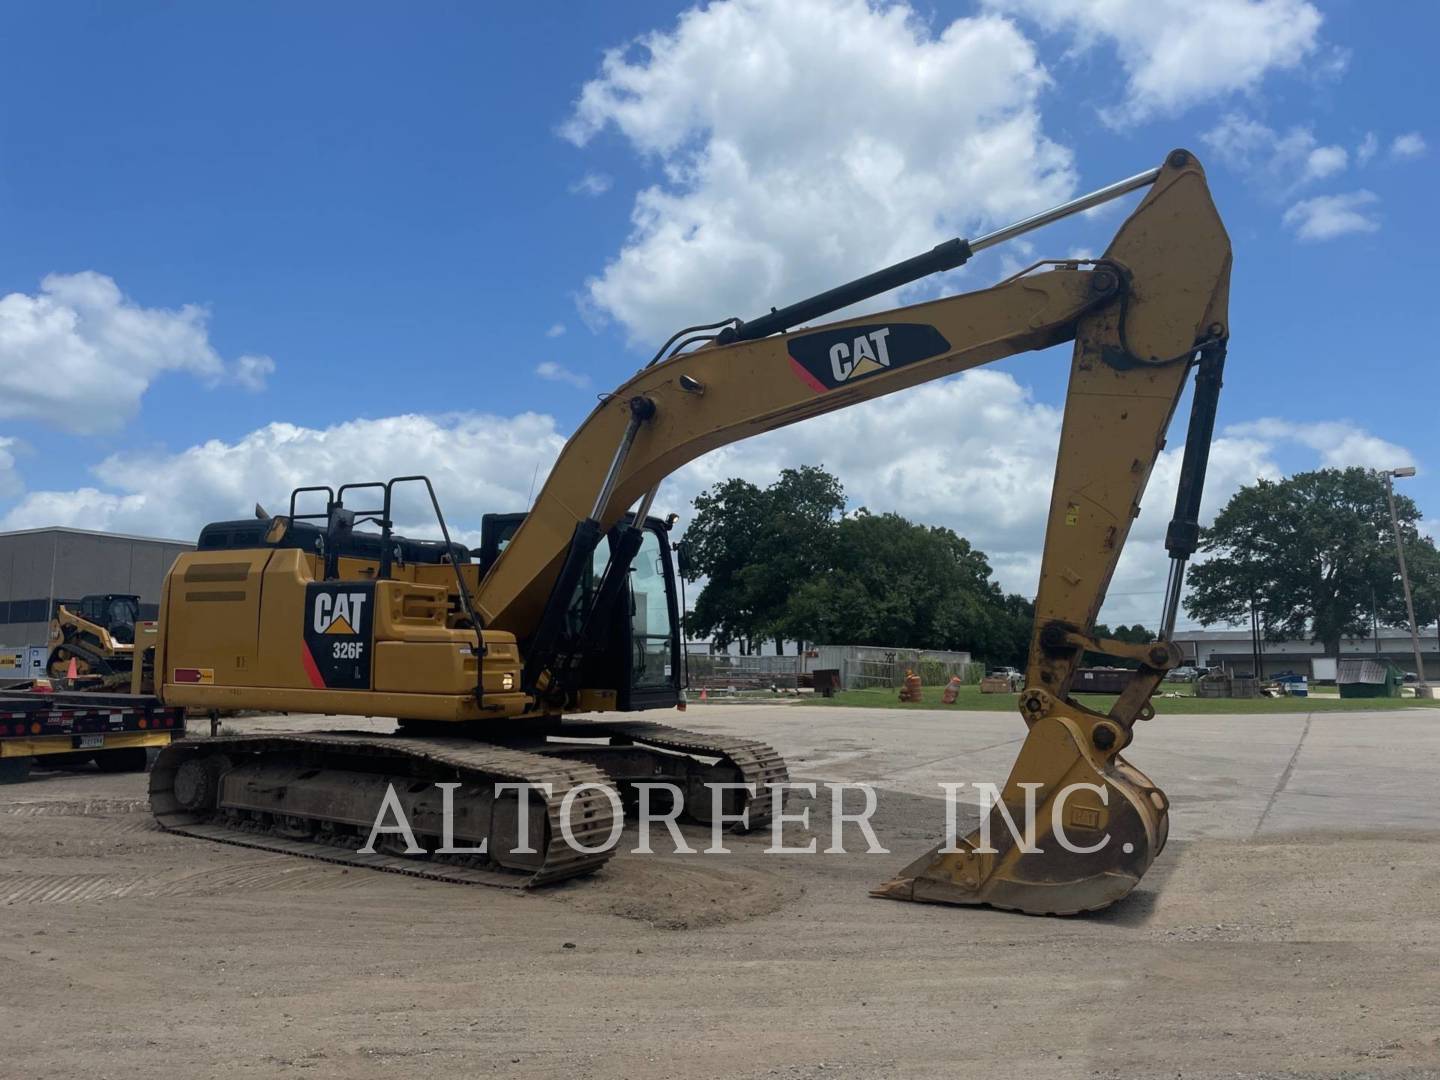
[14, 769]
[126, 759]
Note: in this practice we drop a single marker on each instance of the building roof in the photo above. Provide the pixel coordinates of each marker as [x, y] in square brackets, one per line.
[1387, 633]
[96, 532]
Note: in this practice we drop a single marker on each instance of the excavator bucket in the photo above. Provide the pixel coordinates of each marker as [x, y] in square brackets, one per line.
[1074, 830]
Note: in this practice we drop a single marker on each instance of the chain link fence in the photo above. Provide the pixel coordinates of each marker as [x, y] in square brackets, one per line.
[723, 672]
[860, 667]
[886, 669]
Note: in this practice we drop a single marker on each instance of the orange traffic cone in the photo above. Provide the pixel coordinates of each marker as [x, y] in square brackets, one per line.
[71, 674]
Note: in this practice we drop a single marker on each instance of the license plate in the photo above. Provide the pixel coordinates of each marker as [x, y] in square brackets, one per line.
[88, 742]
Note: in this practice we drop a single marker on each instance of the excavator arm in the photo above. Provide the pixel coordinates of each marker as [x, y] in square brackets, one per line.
[1141, 316]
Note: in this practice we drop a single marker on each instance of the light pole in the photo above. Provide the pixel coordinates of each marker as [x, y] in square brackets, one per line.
[1421, 687]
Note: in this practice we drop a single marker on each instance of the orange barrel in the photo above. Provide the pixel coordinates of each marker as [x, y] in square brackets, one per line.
[952, 690]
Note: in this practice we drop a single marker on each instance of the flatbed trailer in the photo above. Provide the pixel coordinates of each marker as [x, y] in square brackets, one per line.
[119, 732]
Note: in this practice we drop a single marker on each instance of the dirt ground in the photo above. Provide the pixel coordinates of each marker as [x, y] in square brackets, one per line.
[128, 952]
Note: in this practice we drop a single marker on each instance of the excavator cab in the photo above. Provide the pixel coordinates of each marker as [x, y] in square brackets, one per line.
[637, 630]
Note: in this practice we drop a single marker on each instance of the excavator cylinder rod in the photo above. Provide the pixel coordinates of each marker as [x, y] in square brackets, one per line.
[1065, 209]
[945, 256]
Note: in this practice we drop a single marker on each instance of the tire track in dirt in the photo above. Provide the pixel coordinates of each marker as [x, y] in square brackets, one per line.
[264, 875]
[78, 828]
[69, 829]
[75, 807]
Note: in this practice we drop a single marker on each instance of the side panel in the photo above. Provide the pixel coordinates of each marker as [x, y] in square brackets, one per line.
[293, 644]
[283, 618]
[211, 617]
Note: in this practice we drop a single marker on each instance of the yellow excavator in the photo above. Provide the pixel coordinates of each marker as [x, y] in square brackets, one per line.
[486, 656]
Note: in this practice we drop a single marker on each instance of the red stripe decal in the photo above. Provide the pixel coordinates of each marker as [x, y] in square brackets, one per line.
[316, 680]
[805, 377]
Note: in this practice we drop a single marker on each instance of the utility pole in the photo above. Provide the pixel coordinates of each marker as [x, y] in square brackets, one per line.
[1422, 688]
[1375, 620]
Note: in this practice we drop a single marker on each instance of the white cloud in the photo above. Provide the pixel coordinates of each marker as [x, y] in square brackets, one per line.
[478, 464]
[803, 144]
[592, 184]
[1324, 161]
[553, 372]
[1339, 443]
[1281, 163]
[1409, 145]
[252, 372]
[1178, 53]
[555, 330]
[10, 483]
[1367, 149]
[1327, 217]
[79, 355]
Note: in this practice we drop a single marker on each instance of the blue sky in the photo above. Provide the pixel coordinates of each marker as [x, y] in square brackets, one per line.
[395, 223]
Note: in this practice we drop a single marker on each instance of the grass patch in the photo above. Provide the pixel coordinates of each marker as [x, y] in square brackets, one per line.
[971, 700]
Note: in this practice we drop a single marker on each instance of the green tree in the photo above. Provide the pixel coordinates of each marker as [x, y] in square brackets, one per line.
[1422, 561]
[754, 545]
[1010, 638]
[893, 582]
[783, 563]
[1309, 552]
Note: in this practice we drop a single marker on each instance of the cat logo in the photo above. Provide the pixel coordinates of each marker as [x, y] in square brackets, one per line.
[828, 359]
[339, 630]
[339, 613]
[867, 353]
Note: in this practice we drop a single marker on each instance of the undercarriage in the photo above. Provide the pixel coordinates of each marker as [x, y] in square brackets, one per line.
[322, 795]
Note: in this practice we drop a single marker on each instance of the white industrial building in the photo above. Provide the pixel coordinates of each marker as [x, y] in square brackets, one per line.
[40, 566]
[1234, 651]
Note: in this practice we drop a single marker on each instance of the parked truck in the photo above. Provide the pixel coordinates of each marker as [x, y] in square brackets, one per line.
[118, 731]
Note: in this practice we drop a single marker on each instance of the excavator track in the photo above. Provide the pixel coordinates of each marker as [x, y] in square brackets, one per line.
[754, 762]
[285, 761]
[432, 759]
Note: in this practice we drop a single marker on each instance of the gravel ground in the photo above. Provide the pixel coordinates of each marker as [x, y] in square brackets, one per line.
[1247, 951]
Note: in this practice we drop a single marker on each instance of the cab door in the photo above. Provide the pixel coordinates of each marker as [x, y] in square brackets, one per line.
[652, 677]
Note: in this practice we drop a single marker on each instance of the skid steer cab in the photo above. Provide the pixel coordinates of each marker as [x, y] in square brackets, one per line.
[96, 635]
[328, 609]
